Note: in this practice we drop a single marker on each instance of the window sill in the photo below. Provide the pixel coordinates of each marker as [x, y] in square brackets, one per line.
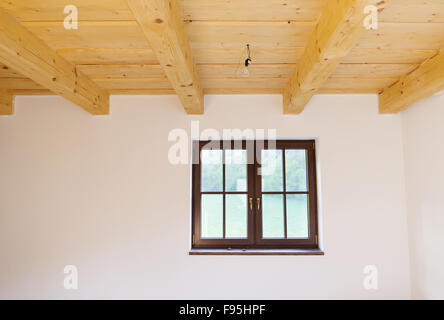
[258, 252]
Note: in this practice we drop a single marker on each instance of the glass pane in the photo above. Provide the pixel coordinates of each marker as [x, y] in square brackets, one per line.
[272, 216]
[271, 172]
[235, 170]
[236, 216]
[211, 170]
[296, 170]
[297, 216]
[212, 216]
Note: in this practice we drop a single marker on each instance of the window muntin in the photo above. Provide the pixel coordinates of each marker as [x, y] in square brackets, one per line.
[251, 195]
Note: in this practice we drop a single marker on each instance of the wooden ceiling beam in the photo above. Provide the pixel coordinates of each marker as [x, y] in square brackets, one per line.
[6, 103]
[337, 31]
[421, 83]
[25, 53]
[162, 25]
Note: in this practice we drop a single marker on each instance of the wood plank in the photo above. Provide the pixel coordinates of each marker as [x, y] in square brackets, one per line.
[242, 83]
[162, 25]
[109, 55]
[208, 91]
[134, 83]
[404, 36]
[204, 70]
[414, 11]
[355, 85]
[6, 103]
[39, 92]
[201, 56]
[425, 81]
[235, 90]
[20, 84]
[141, 91]
[212, 83]
[201, 34]
[256, 85]
[116, 56]
[344, 70]
[37, 10]
[90, 34]
[32, 92]
[236, 34]
[239, 54]
[25, 53]
[372, 70]
[220, 10]
[123, 71]
[207, 71]
[6, 72]
[396, 56]
[252, 10]
[273, 10]
[340, 26]
[153, 83]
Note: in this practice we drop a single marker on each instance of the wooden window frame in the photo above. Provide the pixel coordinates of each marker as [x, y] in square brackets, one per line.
[254, 225]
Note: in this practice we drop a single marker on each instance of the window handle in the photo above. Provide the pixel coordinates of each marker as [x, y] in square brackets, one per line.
[251, 204]
[258, 204]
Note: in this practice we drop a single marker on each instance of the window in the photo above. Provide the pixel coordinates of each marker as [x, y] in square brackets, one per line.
[254, 195]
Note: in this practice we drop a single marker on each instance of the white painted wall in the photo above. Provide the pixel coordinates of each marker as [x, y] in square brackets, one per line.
[423, 132]
[99, 193]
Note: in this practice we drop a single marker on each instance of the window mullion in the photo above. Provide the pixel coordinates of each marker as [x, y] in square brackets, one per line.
[285, 194]
[252, 192]
[223, 195]
[257, 193]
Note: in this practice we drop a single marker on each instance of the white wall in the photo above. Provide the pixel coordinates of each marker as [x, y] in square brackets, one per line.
[99, 193]
[423, 132]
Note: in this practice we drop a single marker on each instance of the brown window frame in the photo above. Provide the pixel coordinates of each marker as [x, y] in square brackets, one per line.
[254, 192]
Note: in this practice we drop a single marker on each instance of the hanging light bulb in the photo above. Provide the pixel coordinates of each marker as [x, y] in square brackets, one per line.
[245, 71]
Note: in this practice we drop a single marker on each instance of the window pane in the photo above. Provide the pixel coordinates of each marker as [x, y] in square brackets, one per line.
[212, 216]
[236, 216]
[271, 172]
[211, 170]
[235, 170]
[272, 216]
[296, 170]
[297, 216]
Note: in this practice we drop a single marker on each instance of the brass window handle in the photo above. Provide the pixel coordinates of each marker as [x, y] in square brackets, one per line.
[258, 203]
[251, 204]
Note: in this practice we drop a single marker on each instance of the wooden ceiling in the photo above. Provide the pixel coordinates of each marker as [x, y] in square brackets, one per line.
[113, 47]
